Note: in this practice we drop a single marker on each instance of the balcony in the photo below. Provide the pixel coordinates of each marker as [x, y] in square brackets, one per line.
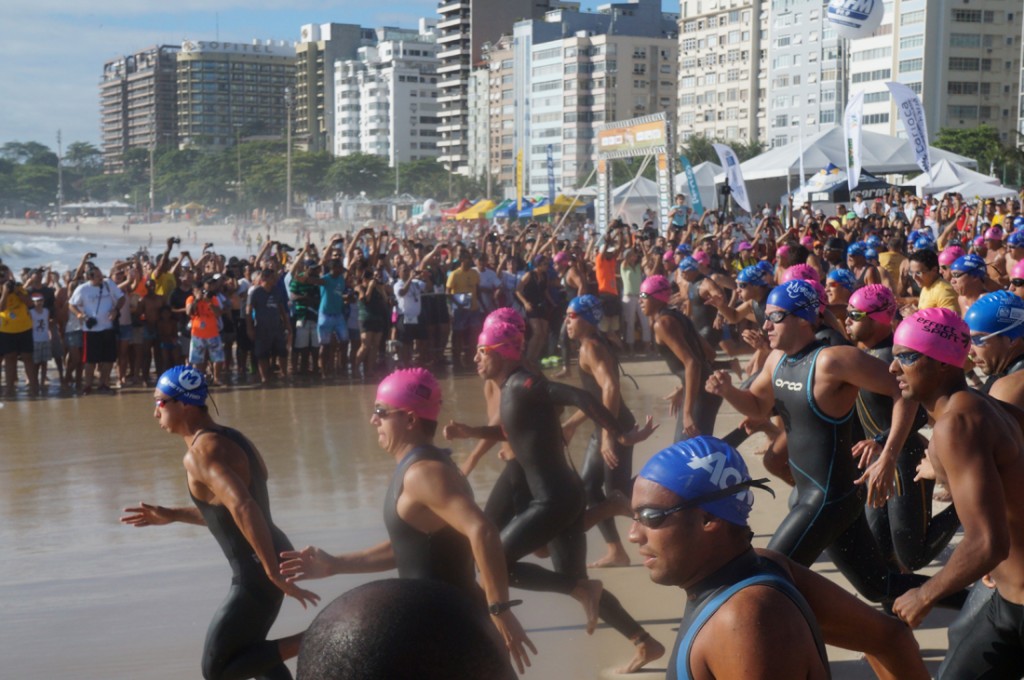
[451, 37]
[446, 7]
[461, 50]
[453, 22]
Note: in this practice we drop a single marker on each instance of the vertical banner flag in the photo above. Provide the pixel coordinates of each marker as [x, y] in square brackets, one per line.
[852, 130]
[519, 181]
[551, 178]
[601, 206]
[664, 190]
[691, 182]
[801, 138]
[911, 112]
[733, 175]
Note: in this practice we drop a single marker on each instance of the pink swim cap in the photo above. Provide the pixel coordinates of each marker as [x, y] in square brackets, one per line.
[506, 315]
[875, 299]
[1018, 271]
[936, 332]
[801, 271]
[949, 255]
[669, 256]
[503, 339]
[657, 287]
[807, 241]
[993, 234]
[702, 257]
[783, 250]
[561, 257]
[414, 389]
[979, 242]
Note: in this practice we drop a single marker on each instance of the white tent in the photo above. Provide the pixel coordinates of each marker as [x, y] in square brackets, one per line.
[705, 173]
[630, 200]
[977, 189]
[945, 175]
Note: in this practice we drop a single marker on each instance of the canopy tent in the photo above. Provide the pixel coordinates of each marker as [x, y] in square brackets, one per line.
[705, 173]
[192, 206]
[630, 200]
[501, 210]
[776, 171]
[476, 211]
[829, 185]
[945, 175]
[562, 204]
[529, 209]
[450, 213]
[980, 190]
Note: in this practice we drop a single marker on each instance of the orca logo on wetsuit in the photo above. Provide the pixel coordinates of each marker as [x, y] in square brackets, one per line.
[789, 385]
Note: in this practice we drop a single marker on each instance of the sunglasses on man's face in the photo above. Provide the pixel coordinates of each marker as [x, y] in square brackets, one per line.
[382, 412]
[1017, 283]
[652, 518]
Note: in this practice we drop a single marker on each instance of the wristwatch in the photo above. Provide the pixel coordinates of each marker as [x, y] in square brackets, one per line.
[497, 608]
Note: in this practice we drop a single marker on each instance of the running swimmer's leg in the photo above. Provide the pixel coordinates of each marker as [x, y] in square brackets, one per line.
[917, 536]
[236, 641]
[500, 507]
[812, 525]
[598, 479]
[991, 647]
[776, 459]
[706, 412]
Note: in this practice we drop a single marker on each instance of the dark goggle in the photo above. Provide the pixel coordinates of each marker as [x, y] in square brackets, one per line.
[652, 518]
[1017, 283]
[856, 314]
[779, 315]
[383, 413]
[907, 358]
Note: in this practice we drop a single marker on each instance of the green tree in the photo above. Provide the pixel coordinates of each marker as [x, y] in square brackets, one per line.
[31, 153]
[36, 184]
[106, 187]
[309, 170]
[357, 173]
[980, 143]
[84, 157]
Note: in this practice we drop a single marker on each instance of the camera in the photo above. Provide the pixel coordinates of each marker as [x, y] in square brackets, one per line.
[90, 322]
[90, 256]
[207, 246]
[176, 240]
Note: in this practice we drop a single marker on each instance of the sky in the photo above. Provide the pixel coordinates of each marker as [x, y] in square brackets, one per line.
[53, 51]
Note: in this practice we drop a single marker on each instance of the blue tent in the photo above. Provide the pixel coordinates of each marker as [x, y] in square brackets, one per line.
[506, 210]
[527, 212]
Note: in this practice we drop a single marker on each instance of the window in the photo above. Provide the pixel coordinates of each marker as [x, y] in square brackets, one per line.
[964, 64]
[964, 40]
[865, 55]
[881, 74]
[909, 41]
[911, 65]
[915, 17]
[873, 97]
[955, 111]
[876, 119]
[961, 87]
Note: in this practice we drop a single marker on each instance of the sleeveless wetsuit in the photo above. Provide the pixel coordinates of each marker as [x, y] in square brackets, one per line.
[826, 509]
[1016, 365]
[553, 513]
[598, 478]
[706, 409]
[986, 640]
[904, 526]
[707, 597]
[702, 314]
[534, 291]
[236, 642]
[444, 555]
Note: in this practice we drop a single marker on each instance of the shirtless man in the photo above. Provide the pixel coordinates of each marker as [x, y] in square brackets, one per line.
[227, 481]
[538, 499]
[977, 450]
[815, 387]
[749, 613]
[996, 321]
[995, 253]
[967, 276]
[436, 530]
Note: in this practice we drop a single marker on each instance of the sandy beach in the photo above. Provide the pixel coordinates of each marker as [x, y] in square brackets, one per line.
[85, 597]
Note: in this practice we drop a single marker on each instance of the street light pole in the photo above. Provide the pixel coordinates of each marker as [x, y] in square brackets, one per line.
[288, 101]
[60, 179]
[152, 152]
[238, 157]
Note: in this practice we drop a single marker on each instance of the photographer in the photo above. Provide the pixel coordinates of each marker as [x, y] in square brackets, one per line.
[97, 304]
[204, 308]
[15, 330]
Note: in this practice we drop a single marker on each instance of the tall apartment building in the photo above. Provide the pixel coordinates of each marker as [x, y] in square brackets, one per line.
[478, 124]
[576, 70]
[498, 146]
[138, 104]
[463, 28]
[227, 89]
[386, 98]
[964, 60]
[318, 48]
[722, 70]
[807, 69]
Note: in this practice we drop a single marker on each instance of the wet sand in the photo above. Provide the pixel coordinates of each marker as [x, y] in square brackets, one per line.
[86, 597]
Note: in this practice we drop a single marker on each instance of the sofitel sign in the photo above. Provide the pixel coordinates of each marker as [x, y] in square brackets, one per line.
[213, 46]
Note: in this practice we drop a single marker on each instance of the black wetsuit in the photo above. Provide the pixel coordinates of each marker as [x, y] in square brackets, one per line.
[598, 478]
[703, 314]
[705, 411]
[904, 527]
[704, 599]
[534, 292]
[444, 555]
[827, 507]
[236, 641]
[1015, 366]
[538, 499]
[986, 640]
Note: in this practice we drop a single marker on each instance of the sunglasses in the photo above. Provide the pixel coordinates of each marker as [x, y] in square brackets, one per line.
[957, 275]
[383, 413]
[907, 358]
[652, 518]
[1017, 283]
[161, 403]
[856, 314]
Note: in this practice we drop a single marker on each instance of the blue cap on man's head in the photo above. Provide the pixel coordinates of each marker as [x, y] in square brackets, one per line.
[798, 297]
[588, 307]
[184, 384]
[998, 313]
[972, 264]
[701, 469]
[688, 264]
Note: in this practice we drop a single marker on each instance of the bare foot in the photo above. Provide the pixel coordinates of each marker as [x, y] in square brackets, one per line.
[616, 557]
[588, 593]
[647, 650]
[542, 552]
[561, 373]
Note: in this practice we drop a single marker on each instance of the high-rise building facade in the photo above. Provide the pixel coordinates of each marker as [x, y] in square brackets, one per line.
[463, 28]
[722, 70]
[963, 59]
[574, 71]
[386, 98]
[806, 72]
[319, 46]
[138, 106]
[228, 89]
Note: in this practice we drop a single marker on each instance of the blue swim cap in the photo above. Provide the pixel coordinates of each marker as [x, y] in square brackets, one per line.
[924, 243]
[1016, 239]
[844, 277]
[798, 297]
[588, 307]
[856, 249]
[767, 267]
[1018, 222]
[874, 241]
[752, 274]
[1000, 312]
[184, 384]
[870, 254]
[688, 264]
[913, 236]
[704, 467]
[684, 249]
[970, 264]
